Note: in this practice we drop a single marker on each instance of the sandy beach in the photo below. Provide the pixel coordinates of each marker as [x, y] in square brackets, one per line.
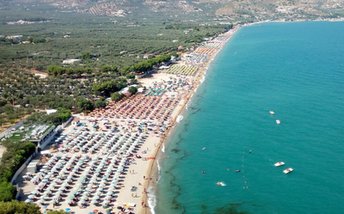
[198, 80]
[105, 162]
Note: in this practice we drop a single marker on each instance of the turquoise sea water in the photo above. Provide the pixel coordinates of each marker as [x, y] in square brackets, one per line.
[294, 69]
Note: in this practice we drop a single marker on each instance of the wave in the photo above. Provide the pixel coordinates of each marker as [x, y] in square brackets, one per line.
[203, 78]
[159, 170]
[151, 200]
[163, 148]
[180, 118]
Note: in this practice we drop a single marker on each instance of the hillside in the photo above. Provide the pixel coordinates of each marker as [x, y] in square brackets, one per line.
[36, 35]
[231, 10]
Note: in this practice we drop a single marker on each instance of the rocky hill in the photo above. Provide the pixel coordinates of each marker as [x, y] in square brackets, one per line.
[230, 10]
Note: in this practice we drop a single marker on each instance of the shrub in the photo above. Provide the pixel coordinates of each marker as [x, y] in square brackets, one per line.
[116, 96]
[18, 207]
[7, 192]
[101, 103]
[132, 90]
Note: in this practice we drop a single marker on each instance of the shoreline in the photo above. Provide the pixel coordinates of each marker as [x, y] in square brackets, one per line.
[112, 152]
[152, 171]
[133, 116]
[199, 84]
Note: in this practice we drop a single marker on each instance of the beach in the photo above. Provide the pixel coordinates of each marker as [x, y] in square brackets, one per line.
[105, 161]
[199, 78]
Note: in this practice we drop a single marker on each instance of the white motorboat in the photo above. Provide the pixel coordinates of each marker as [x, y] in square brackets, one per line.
[278, 122]
[271, 112]
[288, 170]
[220, 183]
[280, 163]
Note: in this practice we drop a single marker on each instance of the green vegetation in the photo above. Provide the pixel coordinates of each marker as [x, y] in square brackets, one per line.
[7, 191]
[56, 70]
[108, 87]
[132, 90]
[61, 116]
[85, 105]
[148, 64]
[15, 155]
[111, 49]
[101, 103]
[116, 96]
[14, 207]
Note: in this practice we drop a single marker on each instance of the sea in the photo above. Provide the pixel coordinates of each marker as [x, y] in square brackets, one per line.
[228, 135]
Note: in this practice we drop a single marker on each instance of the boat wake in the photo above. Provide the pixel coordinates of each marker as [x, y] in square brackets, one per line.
[151, 200]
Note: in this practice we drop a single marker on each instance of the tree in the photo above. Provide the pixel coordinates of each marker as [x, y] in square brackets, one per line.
[86, 56]
[3, 102]
[59, 117]
[14, 156]
[130, 76]
[132, 90]
[101, 103]
[7, 192]
[116, 96]
[85, 105]
[108, 68]
[14, 207]
[148, 64]
[107, 87]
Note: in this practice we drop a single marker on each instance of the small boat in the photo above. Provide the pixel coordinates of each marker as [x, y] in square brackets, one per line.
[271, 112]
[204, 148]
[288, 170]
[220, 183]
[278, 122]
[277, 164]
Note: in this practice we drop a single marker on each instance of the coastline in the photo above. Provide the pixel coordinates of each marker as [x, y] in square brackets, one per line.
[152, 171]
[184, 194]
[121, 143]
[147, 167]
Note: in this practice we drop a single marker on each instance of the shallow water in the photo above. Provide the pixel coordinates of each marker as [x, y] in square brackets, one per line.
[294, 69]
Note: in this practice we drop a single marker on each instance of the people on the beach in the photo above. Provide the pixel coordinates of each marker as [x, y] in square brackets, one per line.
[97, 157]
